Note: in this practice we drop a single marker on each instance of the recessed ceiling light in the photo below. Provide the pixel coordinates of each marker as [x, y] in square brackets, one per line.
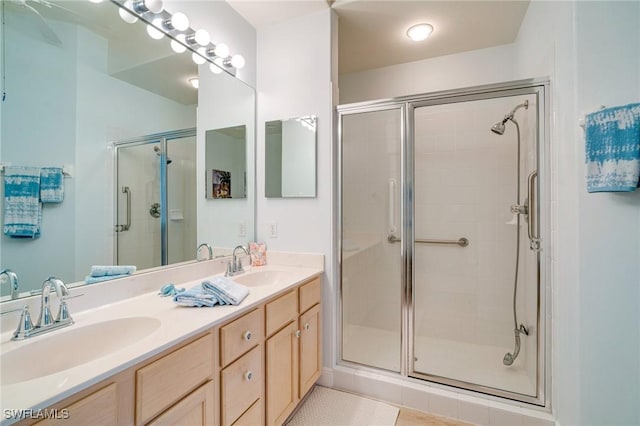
[195, 82]
[419, 32]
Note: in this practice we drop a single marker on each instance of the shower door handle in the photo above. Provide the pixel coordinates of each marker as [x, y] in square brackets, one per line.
[126, 226]
[534, 239]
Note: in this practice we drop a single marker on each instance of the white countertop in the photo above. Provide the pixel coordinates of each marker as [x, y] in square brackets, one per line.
[177, 324]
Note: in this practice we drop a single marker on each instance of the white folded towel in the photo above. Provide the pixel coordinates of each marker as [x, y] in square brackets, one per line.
[226, 290]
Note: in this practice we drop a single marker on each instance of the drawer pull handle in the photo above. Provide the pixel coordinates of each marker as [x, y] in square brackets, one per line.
[298, 333]
[246, 335]
[306, 326]
[248, 375]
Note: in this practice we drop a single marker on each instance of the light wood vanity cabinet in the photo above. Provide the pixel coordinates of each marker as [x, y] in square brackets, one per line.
[293, 357]
[252, 370]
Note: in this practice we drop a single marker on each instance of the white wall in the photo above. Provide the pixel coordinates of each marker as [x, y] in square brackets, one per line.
[473, 68]
[591, 51]
[295, 79]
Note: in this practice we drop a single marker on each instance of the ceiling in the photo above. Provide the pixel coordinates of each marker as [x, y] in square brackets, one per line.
[372, 32]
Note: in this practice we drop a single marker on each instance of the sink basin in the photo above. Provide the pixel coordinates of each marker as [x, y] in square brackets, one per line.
[259, 278]
[59, 351]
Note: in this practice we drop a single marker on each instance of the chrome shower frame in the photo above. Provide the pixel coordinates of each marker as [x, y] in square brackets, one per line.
[161, 139]
[407, 105]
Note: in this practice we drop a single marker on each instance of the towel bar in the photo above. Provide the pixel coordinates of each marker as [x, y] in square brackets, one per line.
[462, 241]
[67, 171]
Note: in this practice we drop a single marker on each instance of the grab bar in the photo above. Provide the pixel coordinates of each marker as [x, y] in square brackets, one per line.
[125, 227]
[534, 240]
[462, 241]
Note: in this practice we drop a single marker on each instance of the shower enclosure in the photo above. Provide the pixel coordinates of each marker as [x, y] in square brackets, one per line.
[442, 277]
[156, 199]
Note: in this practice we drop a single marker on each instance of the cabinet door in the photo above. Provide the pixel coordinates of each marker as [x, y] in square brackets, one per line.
[196, 409]
[310, 349]
[98, 409]
[282, 374]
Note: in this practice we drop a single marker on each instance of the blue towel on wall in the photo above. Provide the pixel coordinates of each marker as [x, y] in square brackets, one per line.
[226, 290]
[107, 270]
[612, 139]
[51, 185]
[92, 280]
[196, 297]
[22, 207]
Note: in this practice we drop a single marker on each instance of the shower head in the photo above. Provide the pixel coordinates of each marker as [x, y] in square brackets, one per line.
[499, 127]
[158, 152]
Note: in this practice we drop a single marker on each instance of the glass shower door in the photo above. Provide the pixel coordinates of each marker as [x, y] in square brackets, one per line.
[466, 180]
[370, 263]
[156, 200]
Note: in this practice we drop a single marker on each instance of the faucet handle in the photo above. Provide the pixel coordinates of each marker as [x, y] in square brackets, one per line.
[25, 326]
[63, 309]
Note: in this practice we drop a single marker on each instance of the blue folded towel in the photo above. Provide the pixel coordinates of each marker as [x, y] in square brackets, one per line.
[51, 185]
[22, 207]
[612, 139]
[106, 270]
[92, 280]
[170, 289]
[226, 290]
[196, 297]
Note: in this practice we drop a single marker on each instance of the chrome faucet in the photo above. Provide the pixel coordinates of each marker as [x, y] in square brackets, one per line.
[209, 249]
[235, 266]
[12, 279]
[46, 322]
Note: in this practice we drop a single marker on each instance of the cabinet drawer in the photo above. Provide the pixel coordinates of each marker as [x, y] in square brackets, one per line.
[241, 335]
[251, 417]
[309, 294]
[241, 384]
[163, 382]
[281, 311]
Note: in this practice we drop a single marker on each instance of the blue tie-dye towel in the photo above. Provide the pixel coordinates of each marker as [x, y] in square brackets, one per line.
[51, 185]
[612, 139]
[22, 207]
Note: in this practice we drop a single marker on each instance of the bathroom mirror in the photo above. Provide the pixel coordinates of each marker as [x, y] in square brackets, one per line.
[76, 83]
[226, 163]
[290, 157]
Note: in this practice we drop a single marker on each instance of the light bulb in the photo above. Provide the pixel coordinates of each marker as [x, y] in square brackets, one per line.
[194, 82]
[419, 32]
[154, 6]
[176, 46]
[127, 16]
[221, 50]
[237, 61]
[202, 37]
[179, 21]
[153, 32]
[198, 59]
[95, 1]
[215, 69]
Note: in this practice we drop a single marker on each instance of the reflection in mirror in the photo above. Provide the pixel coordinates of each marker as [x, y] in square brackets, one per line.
[290, 157]
[80, 82]
[226, 162]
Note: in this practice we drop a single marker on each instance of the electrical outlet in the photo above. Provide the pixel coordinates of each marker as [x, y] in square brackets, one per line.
[242, 229]
[273, 230]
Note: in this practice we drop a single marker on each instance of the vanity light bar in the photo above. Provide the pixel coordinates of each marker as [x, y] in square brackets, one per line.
[183, 38]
